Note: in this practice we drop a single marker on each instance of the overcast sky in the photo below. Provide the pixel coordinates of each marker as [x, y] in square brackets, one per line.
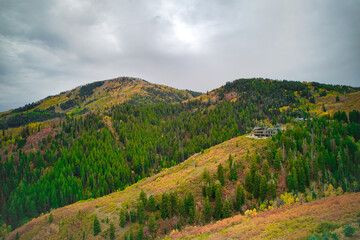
[50, 46]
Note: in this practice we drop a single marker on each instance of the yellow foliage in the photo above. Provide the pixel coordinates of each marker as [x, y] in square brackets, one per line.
[330, 191]
[250, 213]
[339, 191]
[289, 199]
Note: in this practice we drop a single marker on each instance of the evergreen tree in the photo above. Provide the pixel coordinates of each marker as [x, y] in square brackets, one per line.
[140, 233]
[272, 189]
[152, 224]
[112, 231]
[122, 217]
[141, 212]
[277, 160]
[256, 185]
[164, 206]
[226, 210]
[173, 203]
[239, 197]
[263, 188]
[220, 174]
[151, 204]
[233, 176]
[266, 169]
[207, 210]
[295, 179]
[191, 216]
[189, 204]
[302, 179]
[51, 218]
[96, 226]
[218, 203]
[143, 197]
[133, 215]
[249, 183]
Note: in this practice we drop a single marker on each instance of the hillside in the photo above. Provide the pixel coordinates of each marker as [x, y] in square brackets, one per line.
[291, 222]
[96, 95]
[299, 221]
[183, 177]
[85, 155]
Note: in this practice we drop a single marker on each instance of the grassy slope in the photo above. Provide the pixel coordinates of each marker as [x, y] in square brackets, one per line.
[112, 92]
[183, 177]
[347, 103]
[288, 222]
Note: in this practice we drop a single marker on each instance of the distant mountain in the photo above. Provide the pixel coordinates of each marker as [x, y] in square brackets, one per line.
[96, 95]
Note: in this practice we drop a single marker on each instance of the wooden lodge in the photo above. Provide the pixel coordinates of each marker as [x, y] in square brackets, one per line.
[266, 131]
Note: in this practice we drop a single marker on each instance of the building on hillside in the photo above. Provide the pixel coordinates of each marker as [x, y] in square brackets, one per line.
[266, 131]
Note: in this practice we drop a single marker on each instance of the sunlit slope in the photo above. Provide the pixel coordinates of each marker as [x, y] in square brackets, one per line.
[114, 91]
[76, 218]
[298, 221]
[347, 102]
[94, 96]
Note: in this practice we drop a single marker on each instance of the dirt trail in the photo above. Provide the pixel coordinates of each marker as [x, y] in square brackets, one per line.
[108, 122]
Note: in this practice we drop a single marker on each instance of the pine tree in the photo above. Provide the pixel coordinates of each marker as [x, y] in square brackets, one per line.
[133, 215]
[140, 233]
[51, 218]
[152, 224]
[220, 174]
[272, 189]
[249, 183]
[189, 203]
[266, 170]
[233, 176]
[164, 206]
[207, 210]
[239, 197]
[277, 160]
[226, 210]
[151, 204]
[218, 203]
[263, 188]
[122, 218]
[302, 179]
[257, 185]
[290, 182]
[174, 203]
[141, 212]
[96, 224]
[143, 197]
[112, 231]
[295, 179]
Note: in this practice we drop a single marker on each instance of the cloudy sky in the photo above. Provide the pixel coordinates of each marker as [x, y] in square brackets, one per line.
[48, 46]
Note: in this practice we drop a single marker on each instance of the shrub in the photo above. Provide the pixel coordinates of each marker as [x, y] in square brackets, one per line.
[349, 231]
[112, 231]
[51, 218]
[97, 228]
[325, 227]
[313, 237]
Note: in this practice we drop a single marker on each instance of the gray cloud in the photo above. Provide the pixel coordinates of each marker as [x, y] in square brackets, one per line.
[50, 46]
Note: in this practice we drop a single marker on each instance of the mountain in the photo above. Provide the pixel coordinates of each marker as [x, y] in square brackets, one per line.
[96, 95]
[161, 140]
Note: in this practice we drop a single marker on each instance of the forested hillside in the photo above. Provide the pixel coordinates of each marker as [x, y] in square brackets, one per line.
[89, 154]
[93, 96]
